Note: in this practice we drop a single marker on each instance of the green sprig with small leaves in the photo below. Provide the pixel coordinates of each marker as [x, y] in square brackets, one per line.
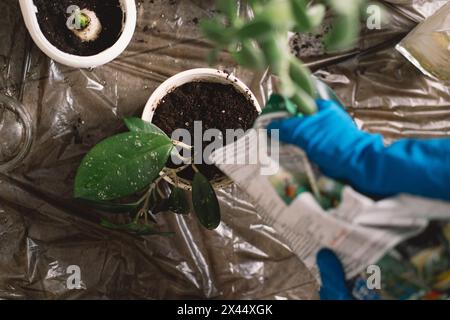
[261, 42]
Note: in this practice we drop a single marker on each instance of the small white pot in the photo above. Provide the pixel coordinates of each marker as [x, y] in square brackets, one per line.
[201, 74]
[29, 11]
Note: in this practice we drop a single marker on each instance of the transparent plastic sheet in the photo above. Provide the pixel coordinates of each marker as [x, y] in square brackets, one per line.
[42, 231]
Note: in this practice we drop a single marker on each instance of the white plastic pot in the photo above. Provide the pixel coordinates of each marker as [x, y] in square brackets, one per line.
[29, 11]
[201, 74]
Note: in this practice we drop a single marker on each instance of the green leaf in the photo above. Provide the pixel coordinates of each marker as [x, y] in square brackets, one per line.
[249, 56]
[82, 20]
[204, 199]
[302, 20]
[229, 8]
[274, 53]
[278, 13]
[256, 5]
[111, 207]
[347, 7]
[305, 104]
[216, 32]
[316, 15]
[255, 29]
[135, 228]
[301, 76]
[139, 125]
[178, 202]
[343, 34]
[122, 165]
[307, 18]
[346, 26]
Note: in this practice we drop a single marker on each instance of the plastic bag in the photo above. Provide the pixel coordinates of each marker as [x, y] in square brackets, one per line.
[428, 45]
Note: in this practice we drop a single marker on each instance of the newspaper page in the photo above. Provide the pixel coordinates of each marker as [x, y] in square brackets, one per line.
[312, 211]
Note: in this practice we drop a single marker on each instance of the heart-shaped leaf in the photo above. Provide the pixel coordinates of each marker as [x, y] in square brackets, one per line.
[139, 125]
[204, 199]
[178, 202]
[122, 165]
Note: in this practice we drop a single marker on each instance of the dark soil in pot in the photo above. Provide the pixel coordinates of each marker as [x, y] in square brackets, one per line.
[52, 18]
[218, 106]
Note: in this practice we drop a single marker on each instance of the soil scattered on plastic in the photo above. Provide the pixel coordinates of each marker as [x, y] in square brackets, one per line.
[52, 18]
[217, 106]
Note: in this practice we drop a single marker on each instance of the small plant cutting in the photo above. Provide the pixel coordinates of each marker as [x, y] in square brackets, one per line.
[261, 42]
[83, 23]
[81, 27]
[131, 163]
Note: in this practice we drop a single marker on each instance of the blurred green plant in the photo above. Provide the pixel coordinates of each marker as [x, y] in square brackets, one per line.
[261, 42]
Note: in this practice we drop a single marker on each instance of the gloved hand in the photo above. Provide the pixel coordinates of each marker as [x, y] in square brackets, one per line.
[332, 141]
[334, 285]
[332, 275]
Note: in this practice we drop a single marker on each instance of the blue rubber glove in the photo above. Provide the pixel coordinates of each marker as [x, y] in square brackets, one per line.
[334, 286]
[332, 141]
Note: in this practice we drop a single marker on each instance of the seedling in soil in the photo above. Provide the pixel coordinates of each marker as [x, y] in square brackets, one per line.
[83, 23]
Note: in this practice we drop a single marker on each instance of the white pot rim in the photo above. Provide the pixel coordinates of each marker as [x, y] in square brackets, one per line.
[29, 11]
[199, 74]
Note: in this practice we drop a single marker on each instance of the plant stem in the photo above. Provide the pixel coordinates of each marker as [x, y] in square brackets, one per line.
[161, 194]
[144, 210]
[182, 145]
[170, 171]
[195, 168]
[154, 186]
